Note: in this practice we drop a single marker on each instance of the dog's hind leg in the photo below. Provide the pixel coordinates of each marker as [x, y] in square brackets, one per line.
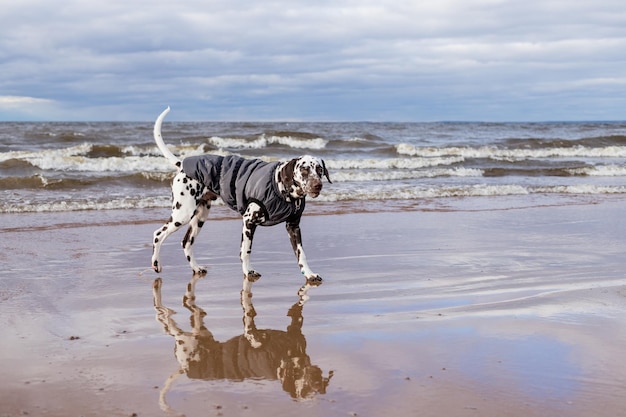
[195, 225]
[159, 237]
[183, 209]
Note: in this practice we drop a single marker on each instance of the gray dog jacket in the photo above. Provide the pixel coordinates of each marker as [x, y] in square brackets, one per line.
[240, 181]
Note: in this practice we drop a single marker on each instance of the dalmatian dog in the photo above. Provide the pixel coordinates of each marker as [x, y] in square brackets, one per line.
[264, 194]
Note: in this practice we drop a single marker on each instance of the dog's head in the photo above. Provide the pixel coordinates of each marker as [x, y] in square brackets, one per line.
[301, 379]
[303, 176]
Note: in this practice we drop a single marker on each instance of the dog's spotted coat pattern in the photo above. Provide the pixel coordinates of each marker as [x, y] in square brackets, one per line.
[191, 202]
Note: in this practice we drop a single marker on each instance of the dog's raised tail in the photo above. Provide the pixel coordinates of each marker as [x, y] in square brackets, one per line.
[159, 139]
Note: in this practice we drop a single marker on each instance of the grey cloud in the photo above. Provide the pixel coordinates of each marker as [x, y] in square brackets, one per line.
[365, 60]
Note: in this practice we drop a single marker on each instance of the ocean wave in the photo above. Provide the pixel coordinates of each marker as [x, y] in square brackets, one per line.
[264, 141]
[513, 154]
[89, 158]
[112, 164]
[46, 182]
[85, 204]
[140, 150]
[75, 160]
[386, 192]
[358, 175]
[39, 182]
[371, 193]
[133, 158]
[600, 171]
[591, 141]
[146, 178]
[392, 163]
[580, 189]
[82, 149]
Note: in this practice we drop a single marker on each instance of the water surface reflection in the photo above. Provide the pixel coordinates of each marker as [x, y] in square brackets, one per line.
[256, 354]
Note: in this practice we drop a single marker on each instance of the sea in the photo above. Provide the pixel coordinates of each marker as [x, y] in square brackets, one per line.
[105, 166]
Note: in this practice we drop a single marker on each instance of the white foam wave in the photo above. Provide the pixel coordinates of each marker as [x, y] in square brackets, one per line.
[86, 204]
[392, 163]
[75, 158]
[82, 149]
[492, 152]
[264, 141]
[581, 189]
[149, 159]
[158, 176]
[398, 192]
[135, 150]
[359, 175]
[110, 164]
[184, 150]
[600, 171]
[373, 192]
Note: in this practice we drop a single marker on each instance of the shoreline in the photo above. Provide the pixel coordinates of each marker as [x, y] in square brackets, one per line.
[490, 310]
[17, 221]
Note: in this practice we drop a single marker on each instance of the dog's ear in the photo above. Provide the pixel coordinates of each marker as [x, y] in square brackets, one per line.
[326, 172]
[286, 173]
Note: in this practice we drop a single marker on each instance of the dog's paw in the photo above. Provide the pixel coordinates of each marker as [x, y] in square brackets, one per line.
[199, 271]
[156, 267]
[314, 280]
[252, 276]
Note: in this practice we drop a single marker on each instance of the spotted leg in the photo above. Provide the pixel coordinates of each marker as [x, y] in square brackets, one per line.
[252, 217]
[195, 225]
[295, 236]
[158, 237]
[178, 219]
[188, 205]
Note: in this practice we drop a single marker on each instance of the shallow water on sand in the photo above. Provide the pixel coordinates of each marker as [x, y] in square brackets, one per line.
[488, 312]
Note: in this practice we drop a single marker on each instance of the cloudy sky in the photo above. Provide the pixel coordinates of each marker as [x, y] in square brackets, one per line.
[397, 60]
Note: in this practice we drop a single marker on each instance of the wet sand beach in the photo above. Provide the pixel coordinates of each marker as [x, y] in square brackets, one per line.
[484, 310]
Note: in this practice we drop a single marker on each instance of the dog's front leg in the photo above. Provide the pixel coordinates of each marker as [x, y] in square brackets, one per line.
[253, 216]
[295, 236]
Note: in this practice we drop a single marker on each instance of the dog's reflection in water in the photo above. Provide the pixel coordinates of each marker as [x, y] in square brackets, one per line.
[256, 354]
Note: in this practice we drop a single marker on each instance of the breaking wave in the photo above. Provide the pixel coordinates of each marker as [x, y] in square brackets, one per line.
[264, 141]
[497, 153]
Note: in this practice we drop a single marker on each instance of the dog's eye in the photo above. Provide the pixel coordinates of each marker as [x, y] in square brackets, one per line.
[304, 172]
